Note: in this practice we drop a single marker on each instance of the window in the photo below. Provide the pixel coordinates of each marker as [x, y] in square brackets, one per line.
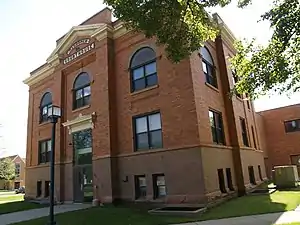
[244, 132]
[208, 67]
[44, 151]
[82, 145]
[159, 185]
[229, 179]
[216, 125]
[235, 80]
[46, 103]
[143, 69]
[251, 175]
[292, 125]
[38, 188]
[17, 169]
[259, 173]
[253, 136]
[140, 187]
[221, 181]
[148, 132]
[81, 91]
[47, 189]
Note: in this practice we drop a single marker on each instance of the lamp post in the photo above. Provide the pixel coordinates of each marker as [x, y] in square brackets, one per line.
[54, 113]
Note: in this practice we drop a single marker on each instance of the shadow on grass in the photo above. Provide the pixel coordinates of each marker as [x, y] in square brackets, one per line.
[137, 214]
[17, 206]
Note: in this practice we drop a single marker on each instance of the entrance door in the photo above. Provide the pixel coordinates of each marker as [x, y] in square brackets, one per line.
[82, 168]
[83, 183]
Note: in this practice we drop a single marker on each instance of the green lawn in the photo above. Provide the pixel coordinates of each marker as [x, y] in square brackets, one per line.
[248, 205]
[111, 216]
[15, 203]
[11, 198]
[289, 224]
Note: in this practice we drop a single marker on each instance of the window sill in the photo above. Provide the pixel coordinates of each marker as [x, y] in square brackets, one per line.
[219, 144]
[81, 108]
[144, 90]
[212, 87]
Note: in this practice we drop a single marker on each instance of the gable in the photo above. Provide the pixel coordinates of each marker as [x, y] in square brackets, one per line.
[72, 38]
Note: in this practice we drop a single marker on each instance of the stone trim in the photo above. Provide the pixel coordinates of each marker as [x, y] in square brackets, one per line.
[98, 31]
[81, 122]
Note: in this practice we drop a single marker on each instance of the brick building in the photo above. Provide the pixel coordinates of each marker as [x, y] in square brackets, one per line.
[134, 125]
[281, 127]
[19, 179]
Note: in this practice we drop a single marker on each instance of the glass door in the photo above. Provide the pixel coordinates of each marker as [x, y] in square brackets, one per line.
[82, 168]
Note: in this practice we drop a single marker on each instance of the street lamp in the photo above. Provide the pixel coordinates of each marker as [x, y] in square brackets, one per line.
[54, 113]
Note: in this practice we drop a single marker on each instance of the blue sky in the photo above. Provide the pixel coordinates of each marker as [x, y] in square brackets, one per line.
[29, 30]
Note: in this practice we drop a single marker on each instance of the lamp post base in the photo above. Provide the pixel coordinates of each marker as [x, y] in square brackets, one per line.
[53, 223]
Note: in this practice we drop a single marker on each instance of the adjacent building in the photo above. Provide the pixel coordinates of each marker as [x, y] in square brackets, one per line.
[19, 179]
[137, 127]
[282, 133]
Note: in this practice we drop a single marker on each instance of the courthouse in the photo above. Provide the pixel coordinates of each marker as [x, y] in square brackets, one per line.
[136, 127]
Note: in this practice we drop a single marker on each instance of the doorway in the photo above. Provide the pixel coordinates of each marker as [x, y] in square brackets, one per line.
[83, 184]
[82, 167]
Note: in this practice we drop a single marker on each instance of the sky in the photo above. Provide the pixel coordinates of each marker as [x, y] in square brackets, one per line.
[30, 28]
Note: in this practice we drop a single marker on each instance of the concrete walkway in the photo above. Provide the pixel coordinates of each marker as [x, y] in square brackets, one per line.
[264, 219]
[37, 213]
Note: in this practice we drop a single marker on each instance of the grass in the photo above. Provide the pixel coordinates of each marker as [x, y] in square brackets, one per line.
[298, 223]
[111, 216]
[247, 205]
[279, 201]
[15, 203]
[11, 198]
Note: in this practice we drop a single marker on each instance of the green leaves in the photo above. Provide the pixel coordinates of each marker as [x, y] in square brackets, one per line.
[7, 169]
[274, 67]
[183, 26]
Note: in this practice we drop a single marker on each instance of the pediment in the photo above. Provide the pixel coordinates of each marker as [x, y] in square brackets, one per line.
[76, 34]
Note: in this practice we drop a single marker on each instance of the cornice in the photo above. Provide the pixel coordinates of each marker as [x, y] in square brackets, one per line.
[226, 34]
[40, 74]
[81, 122]
[98, 31]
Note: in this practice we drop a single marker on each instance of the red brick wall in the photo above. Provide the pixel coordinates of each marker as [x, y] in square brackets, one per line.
[170, 97]
[182, 97]
[281, 145]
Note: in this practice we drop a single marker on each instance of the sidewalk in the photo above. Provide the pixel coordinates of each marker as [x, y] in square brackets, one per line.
[37, 213]
[264, 219]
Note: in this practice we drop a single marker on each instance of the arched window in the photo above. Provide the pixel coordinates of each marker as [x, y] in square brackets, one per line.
[81, 91]
[46, 103]
[208, 67]
[143, 69]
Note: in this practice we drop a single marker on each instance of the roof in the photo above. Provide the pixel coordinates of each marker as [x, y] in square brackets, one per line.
[13, 157]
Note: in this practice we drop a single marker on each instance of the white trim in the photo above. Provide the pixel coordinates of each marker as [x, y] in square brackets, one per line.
[98, 31]
[72, 34]
[81, 122]
[41, 74]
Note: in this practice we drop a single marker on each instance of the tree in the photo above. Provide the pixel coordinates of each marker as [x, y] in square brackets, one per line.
[183, 26]
[275, 67]
[7, 169]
